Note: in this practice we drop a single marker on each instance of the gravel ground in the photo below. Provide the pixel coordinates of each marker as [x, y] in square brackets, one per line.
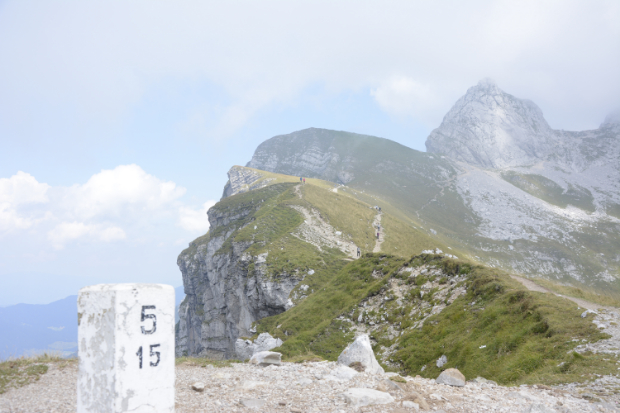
[311, 387]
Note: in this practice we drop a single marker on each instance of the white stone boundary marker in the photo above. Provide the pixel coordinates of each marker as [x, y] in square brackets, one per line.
[126, 348]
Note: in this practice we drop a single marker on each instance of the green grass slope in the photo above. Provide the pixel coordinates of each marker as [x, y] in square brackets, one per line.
[495, 329]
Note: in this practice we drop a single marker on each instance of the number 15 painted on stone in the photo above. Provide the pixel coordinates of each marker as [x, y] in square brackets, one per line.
[143, 318]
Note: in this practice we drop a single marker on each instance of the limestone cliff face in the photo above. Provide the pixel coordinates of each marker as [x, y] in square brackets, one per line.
[490, 128]
[310, 152]
[226, 288]
[242, 179]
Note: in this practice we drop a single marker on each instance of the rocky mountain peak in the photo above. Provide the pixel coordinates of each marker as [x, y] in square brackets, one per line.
[491, 128]
[613, 119]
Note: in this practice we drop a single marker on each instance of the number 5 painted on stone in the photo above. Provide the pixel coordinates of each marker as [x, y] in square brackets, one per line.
[126, 349]
[148, 316]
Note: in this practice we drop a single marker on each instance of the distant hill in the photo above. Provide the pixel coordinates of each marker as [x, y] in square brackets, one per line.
[27, 329]
[33, 328]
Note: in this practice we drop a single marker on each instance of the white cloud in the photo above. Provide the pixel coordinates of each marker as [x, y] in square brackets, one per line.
[18, 191]
[126, 188]
[22, 188]
[557, 53]
[195, 220]
[109, 207]
[70, 231]
[401, 95]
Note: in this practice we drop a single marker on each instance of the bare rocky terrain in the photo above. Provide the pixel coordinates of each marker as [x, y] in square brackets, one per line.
[316, 387]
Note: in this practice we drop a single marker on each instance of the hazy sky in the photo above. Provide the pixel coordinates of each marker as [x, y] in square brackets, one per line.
[119, 120]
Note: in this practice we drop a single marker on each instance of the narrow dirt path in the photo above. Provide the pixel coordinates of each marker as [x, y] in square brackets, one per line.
[378, 229]
[532, 286]
[605, 318]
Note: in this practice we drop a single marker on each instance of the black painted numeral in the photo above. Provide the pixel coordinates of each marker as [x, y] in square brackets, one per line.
[153, 353]
[148, 316]
[139, 354]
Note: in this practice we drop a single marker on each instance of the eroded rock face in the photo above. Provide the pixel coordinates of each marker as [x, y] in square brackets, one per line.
[490, 128]
[223, 296]
[310, 152]
[241, 180]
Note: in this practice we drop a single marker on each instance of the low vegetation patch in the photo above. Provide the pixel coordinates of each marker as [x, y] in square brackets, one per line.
[204, 362]
[18, 372]
[488, 324]
[313, 325]
[502, 332]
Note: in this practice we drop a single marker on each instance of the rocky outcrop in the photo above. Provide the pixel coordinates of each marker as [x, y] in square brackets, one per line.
[360, 351]
[226, 288]
[490, 128]
[245, 349]
[242, 179]
[317, 153]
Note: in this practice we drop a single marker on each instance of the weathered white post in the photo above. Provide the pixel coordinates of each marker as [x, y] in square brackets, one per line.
[126, 348]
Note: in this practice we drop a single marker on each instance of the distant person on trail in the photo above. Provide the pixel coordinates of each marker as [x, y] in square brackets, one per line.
[358, 252]
[377, 235]
[300, 178]
[304, 180]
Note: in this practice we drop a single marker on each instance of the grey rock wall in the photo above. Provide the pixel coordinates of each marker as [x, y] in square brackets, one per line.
[490, 128]
[224, 298]
[242, 180]
[310, 152]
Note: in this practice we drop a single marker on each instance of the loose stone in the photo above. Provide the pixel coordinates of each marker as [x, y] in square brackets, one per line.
[451, 377]
[198, 386]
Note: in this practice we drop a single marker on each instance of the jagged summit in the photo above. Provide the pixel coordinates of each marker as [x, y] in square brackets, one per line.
[493, 129]
[613, 119]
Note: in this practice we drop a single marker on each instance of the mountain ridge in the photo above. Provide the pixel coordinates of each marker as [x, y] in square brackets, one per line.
[490, 128]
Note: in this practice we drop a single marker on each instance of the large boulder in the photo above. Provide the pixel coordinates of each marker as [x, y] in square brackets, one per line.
[265, 358]
[245, 349]
[451, 377]
[361, 351]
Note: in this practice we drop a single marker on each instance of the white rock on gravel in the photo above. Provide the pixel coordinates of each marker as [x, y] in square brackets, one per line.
[341, 373]
[411, 405]
[451, 377]
[266, 358]
[252, 403]
[361, 351]
[198, 386]
[250, 384]
[305, 382]
[358, 397]
[245, 349]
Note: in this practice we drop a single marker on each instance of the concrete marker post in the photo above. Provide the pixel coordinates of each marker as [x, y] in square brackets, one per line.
[126, 348]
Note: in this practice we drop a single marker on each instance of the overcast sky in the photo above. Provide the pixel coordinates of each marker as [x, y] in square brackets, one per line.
[119, 120]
